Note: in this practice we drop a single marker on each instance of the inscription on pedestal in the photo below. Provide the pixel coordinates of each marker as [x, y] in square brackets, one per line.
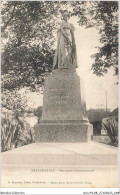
[63, 92]
[64, 110]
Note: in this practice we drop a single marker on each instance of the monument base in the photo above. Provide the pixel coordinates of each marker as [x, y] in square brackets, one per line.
[68, 131]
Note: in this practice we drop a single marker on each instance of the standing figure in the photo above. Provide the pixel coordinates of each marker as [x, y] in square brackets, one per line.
[65, 55]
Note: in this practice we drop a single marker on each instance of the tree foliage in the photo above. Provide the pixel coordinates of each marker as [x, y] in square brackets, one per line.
[27, 31]
[12, 100]
[104, 16]
[28, 34]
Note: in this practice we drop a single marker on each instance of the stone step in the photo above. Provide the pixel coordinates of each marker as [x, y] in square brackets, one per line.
[49, 164]
[61, 159]
[90, 153]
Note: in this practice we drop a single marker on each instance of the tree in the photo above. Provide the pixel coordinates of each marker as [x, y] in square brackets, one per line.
[28, 30]
[104, 16]
[27, 52]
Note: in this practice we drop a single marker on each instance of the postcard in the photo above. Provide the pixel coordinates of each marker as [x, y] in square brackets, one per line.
[59, 72]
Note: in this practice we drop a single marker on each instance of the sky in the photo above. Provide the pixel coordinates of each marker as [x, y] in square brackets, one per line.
[96, 87]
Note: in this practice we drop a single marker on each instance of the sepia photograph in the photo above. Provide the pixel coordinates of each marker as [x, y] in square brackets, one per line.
[59, 94]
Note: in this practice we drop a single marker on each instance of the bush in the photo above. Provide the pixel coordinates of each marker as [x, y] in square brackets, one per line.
[12, 100]
[15, 131]
[38, 112]
[111, 125]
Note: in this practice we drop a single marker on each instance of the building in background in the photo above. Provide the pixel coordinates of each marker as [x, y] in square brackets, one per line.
[95, 117]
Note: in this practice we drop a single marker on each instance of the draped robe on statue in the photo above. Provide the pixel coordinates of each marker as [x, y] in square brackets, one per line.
[65, 56]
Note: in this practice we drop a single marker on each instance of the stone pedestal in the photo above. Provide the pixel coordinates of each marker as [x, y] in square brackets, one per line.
[63, 132]
[64, 117]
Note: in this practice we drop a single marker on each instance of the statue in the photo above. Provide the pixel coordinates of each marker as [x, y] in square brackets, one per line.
[65, 55]
[64, 117]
